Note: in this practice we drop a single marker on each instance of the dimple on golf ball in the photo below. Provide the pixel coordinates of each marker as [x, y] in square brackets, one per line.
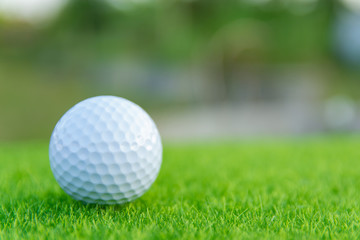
[105, 150]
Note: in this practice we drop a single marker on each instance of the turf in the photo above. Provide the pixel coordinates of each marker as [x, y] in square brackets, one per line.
[297, 189]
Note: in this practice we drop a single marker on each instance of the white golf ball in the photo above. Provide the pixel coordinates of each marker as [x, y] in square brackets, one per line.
[105, 150]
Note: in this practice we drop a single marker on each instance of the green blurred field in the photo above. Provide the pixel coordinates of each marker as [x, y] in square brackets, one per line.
[297, 189]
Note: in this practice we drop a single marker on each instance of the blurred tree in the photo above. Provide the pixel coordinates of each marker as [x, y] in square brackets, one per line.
[85, 17]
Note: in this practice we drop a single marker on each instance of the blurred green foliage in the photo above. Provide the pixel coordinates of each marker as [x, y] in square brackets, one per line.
[45, 69]
[169, 30]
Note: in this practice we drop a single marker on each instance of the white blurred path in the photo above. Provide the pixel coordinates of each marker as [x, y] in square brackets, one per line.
[252, 120]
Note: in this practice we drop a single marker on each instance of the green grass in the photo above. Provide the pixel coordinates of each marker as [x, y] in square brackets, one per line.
[300, 189]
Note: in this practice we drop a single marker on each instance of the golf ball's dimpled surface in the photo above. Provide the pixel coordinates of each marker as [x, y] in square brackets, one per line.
[105, 150]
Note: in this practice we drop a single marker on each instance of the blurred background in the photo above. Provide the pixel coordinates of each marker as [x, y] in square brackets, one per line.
[201, 68]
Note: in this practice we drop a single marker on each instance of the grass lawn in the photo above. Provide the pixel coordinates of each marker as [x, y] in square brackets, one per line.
[303, 189]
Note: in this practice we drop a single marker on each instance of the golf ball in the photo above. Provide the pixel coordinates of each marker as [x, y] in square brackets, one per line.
[105, 150]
